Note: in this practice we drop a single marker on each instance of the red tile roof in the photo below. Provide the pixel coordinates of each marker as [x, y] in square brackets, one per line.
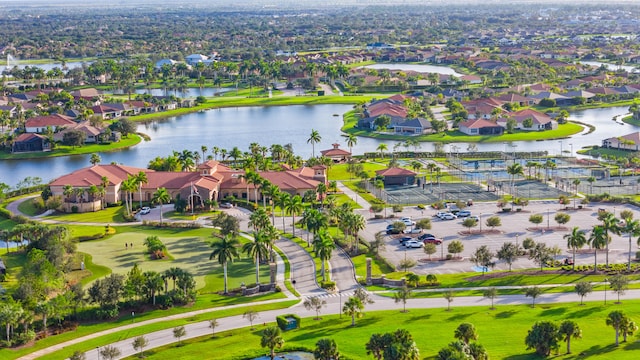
[49, 120]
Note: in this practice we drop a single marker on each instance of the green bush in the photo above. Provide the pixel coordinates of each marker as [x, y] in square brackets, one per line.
[74, 209]
[328, 285]
[398, 208]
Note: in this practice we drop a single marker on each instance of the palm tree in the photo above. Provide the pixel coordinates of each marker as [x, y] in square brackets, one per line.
[513, 170]
[225, 250]
[141, 178]
[353, 307]
[616, 319]
[257, 250]
[465, 332]
[313, 139]
[351, 140]
[575, 240]
[597, 240]
[294, 207]
[271, 339]
[282, 200]
[610, 226]
[632, 228]
[321, 189]
[326, 349]
[402, 295]
[128, 186]
[161, 196]
[259, 219]
[381, 149]
[569, 329]
[323, 246]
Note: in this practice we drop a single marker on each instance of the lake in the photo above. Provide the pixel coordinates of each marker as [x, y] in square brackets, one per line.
[229, 127]
[46, 67]
[423, 68]
[610, 66]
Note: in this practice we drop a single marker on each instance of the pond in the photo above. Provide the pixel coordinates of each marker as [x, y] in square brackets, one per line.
[46, 67]
[231, 127]
[423, 68]
[187, 93]
[610, 66]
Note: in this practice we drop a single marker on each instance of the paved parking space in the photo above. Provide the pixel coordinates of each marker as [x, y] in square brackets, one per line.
[514, 228]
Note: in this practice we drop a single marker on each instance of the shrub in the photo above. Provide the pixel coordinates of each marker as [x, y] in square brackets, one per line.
[74, 209]
[328, 285]
[397, 208]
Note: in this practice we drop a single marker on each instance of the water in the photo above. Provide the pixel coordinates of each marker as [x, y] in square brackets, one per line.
[226, 128]
[423, 68]
[610, 66]
[48, 66]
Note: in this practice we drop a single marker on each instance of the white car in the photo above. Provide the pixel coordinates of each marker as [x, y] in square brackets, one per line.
[440, 214]
[407, 221]
[413, 244]
[448, 216]
[145, 210]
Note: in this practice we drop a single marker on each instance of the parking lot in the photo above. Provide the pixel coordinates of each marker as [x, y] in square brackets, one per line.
[513, 229]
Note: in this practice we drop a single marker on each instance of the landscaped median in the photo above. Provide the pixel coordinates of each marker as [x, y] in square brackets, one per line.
[501, 331]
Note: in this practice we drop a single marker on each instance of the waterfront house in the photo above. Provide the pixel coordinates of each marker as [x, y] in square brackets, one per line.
[625, 142]
[29, 142]
[480, 127]
[39, 124]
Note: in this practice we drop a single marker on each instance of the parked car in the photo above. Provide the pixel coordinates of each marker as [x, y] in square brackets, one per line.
[426, 236]
[407, 221]
[440, 214]
[474, 217]
[405, 239]
[226, 205]
[145, 210]
[448, 216]
[463, 213]
[393, 231]
[413, 244]
[412, 230]
[432, 241]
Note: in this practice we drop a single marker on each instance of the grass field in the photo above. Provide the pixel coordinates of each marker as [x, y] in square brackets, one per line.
[62, 150]
[501, 332]
[108, 215]
[190, 251]
[339, 172]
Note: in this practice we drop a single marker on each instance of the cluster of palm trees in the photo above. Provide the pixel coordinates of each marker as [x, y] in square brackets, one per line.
[600, 236]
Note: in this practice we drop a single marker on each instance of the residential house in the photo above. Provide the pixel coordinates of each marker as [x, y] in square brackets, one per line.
[108, 111]
[195, 58]
[162, 62]
[625, 142]
[92, 134]
[539, 122]
[39, 124]
[517, 99]
[396, 176]
[480, 127]
[89, 94]
[30, 142]
[415, 126]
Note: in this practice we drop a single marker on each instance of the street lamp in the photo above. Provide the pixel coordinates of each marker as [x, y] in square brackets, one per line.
[548, 216]
[517, 234]
[98, 351]
[560, 142]
[571, 149]
[340, 304]
[605, 290]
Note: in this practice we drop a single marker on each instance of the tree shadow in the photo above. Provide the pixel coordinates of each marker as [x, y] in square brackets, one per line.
[505, 314]
[419, 318]
[458, 317]
[554, 311]
[582, 313]
[521, 356]
[597, 350]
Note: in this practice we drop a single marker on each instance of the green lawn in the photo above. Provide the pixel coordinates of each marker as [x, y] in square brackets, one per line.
[377, 267]
[28, 207]
[110, 215]
[501, 332]
[62, 150]
[339, 171]
[87, 329]
[189, 248]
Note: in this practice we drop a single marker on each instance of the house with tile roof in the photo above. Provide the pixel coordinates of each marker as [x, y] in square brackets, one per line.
[336, 154]
[416, 126]
[625, 142]
[539, 121]
[39, 124]
[212, 181]
[480, 127]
